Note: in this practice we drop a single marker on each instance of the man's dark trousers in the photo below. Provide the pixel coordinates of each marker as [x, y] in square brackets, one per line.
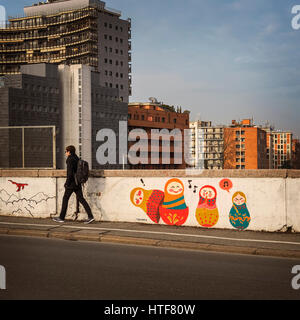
[79, 195]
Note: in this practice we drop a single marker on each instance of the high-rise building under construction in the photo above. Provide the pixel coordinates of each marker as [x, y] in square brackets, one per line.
[71, 32]
[81, 51]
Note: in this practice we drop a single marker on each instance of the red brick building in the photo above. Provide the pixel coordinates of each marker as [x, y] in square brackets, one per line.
[154, 115]
[245, 146]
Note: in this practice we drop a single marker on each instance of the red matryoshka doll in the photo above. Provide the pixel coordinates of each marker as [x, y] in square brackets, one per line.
[207, 213]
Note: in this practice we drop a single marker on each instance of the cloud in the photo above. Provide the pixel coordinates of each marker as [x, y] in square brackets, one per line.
[244, 59]
[270, 29]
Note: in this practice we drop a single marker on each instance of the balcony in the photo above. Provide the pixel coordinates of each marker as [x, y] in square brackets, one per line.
[20, 24]
[20, 37]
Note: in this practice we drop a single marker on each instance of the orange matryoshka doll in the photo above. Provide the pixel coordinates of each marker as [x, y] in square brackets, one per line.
[174, 211]
[149, 201]
[207, 213]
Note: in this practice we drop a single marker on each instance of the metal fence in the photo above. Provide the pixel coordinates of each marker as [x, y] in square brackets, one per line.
[28, 147]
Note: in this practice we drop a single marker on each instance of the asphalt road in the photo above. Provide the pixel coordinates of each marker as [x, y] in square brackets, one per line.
[56, 269]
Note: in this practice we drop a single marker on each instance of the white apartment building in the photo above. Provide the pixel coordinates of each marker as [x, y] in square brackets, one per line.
[206, 145]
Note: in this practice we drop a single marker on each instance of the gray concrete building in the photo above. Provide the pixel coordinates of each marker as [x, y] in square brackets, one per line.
[30, 99]
[70, 98]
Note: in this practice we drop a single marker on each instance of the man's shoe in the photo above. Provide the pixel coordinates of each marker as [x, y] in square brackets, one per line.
[89, 221]
[57, 219]
[75, 215]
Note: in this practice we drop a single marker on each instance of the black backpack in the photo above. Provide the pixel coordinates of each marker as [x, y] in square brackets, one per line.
[82, 173]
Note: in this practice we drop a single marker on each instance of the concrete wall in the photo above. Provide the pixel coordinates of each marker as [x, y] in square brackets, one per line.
[272, 198]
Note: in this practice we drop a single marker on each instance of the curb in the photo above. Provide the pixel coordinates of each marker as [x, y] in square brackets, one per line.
[96, 237]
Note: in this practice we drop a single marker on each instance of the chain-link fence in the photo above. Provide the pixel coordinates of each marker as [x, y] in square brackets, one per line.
[28, 147]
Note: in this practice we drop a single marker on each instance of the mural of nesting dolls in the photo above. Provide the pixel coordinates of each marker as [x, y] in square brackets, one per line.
[239, 216]
[207, 213]
[149, 201]
[174, 210]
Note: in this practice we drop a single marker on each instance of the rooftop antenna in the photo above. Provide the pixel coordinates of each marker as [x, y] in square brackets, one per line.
[153, 100]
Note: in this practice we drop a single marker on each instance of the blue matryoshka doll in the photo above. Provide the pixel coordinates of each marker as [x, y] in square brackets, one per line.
[239, 215]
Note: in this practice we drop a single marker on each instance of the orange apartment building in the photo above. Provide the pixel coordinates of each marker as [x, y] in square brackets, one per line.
[154, 115]
[245, 146]
[279, 147]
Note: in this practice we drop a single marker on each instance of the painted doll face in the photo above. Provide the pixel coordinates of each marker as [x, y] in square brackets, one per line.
[138, 197]
[239, 200]
[208, 193]
[175, 188]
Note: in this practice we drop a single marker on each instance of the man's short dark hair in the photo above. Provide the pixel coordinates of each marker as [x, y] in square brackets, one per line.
[71, 149]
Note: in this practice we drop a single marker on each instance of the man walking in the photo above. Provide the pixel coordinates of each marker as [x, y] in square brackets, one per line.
[71, 186]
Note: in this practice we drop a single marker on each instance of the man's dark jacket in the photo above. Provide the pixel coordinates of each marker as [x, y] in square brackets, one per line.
[72, 162]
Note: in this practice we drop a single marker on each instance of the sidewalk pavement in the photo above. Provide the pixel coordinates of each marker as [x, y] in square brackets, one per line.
[274, 244]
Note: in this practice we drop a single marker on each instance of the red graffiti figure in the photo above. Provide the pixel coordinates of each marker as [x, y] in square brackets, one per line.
[20, 186]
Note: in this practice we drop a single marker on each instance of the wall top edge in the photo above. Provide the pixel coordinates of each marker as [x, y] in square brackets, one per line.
[157, 173]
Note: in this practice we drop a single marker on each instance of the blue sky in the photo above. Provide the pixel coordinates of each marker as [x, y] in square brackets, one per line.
[221, 60]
